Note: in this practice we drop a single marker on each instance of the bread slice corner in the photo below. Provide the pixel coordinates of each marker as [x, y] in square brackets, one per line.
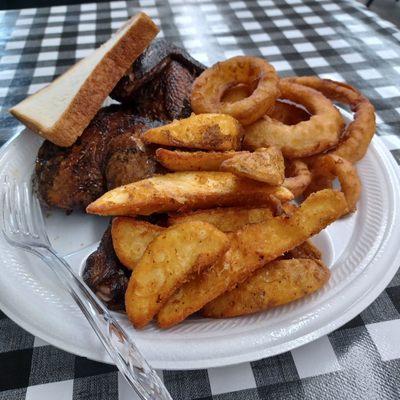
[62, 110]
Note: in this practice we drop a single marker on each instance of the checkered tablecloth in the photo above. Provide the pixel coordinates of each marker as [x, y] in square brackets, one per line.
[337, 39]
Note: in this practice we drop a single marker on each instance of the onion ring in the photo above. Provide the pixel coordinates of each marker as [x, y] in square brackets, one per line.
[358, 134]
[287, 113]
[329, 166]
[299, 177]
[208, 89]
[319, 133]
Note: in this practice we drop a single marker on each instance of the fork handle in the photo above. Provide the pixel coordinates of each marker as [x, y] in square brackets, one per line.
[119, 346]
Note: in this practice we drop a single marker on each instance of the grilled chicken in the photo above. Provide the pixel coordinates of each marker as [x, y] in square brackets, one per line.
[110, 148]
[159, 82]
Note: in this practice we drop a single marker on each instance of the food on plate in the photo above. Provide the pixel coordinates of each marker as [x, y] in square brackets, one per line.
[181, 191]
[105, 275]
[288, 113]
[176, 160]
[298, 177]
[175, 256]
[326, 168]
[252, 247]
[159, 82]
[305, 250]
[219, 234]
[130, 239]
[61, 111]
[358, 134]
[319, 133]
[226, 219]
[109, 153]
[204, 131]
[279, 282]
[263, 165]
[209, 87]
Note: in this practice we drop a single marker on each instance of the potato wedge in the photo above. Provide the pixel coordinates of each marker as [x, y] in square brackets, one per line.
[193, 160]
[229, 219]
[186, 190]
[203, 131]
[263, 165]
[279, 282]
[251, 248]
[173, 257]
[305, 250]
[130, 239]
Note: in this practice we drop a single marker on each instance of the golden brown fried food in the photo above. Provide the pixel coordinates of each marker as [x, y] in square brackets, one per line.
[298, 177]
[229, 219]
[205, 131]
[130, 239]
[327, 167]
[176, 160]
[305, 250]
[252, 247]
[181, 191]
[287, 113]
[256, 73]
[263, 165]
[358, 134]
[279, 282]
[319, 133]
[173, 257]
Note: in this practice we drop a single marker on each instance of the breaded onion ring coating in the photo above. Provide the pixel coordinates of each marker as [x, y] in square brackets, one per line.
[358, 134]
[288, 113]
[208, 89]
[326, 168]
[298, 177]
[319, 133]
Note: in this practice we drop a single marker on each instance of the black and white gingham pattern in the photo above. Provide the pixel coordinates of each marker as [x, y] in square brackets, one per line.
[338, 39]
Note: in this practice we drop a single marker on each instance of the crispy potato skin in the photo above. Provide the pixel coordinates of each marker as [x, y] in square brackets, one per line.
[305, 250]
[181, 191]
[176, 160]
[229, 219]
[130, 239]
[204, 131]
[263, 165]
[251, 248]
[173, 257]
[279, 282]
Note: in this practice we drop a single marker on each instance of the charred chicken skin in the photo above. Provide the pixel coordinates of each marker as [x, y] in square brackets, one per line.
[109, 153]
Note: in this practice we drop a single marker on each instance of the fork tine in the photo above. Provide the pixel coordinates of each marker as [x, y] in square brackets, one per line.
[8, 211]
[37, 217]
[16, 205]
[28, 210]
[5, 212]
[24, 207]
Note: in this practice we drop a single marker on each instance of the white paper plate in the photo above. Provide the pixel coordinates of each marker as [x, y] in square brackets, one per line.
[362, 251]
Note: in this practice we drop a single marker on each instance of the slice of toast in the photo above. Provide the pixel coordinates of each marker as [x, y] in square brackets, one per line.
[62, 110]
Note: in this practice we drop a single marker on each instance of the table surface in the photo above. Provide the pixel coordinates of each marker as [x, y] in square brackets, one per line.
[338, 39]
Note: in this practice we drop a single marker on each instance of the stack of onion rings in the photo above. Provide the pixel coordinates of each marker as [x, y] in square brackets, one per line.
[209, 88]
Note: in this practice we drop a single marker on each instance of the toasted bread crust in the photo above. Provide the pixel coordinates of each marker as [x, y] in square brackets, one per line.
[96, 87]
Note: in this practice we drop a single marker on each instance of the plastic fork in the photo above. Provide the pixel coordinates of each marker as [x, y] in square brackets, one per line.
[23, 226]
